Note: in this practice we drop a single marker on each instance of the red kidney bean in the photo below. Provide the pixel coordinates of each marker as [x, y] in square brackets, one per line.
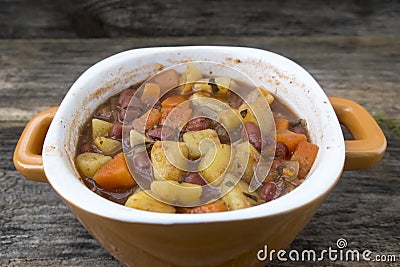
[198, 124]
[268, 191]
[281, 150]
[125, 98]
[254, 134]
[116, 131]
[161, 133]
[277, 163]
[299, 129]
[142, 163]
[194, 178]
[222, 133]
[87, 147]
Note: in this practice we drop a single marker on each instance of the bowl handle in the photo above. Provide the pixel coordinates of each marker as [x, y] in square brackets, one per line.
[28, 152]
[369, 144]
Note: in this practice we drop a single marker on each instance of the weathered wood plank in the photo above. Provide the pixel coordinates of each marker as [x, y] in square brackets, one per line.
[37, 228]
[37, 73]
[124, 18]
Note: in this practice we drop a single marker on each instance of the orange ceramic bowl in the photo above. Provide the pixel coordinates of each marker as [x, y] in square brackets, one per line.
[231, 238]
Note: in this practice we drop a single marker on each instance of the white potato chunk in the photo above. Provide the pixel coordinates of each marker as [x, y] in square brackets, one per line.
[230, 118]
[260, 92]
[189, 76]
[151, 93]
[239, 196]
[214, 163]
[136, 138]
[244, 161]
[169, 159]
[218, 85]
[247, 114]
[107, 145]
[100, 127]
[199, 142]
[185, 194]
[143, 201]
[89, 163]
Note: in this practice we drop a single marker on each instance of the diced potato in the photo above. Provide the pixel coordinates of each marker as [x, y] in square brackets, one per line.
[185, 194]
[247, 114]
[244, 159]
[253, 96]
[107, 145]
[89, 163]
[218, 85]
[100, 127]
[192, 74]
[143, 201]
[167, 80]
[230, 118]
[199, 142]
[151, 93]
[203, 101]
[169, 166]
[214, 163]
[136, 138]
[239, 196]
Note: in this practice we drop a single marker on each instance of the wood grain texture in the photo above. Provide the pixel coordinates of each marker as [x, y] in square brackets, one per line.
[36, 227]
[125, 18]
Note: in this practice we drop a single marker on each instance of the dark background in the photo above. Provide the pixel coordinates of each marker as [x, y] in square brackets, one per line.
[122, 18]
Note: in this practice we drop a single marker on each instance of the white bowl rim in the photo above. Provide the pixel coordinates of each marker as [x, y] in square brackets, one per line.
[76, 194]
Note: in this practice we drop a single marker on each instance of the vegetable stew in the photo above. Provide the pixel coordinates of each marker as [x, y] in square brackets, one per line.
[164, 145]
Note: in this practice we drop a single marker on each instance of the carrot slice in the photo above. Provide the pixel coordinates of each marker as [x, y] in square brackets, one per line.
[290, 139]
[216, 206]
[305, 155]
[147, 120]
[114, 174]
[281, 124]
[172, 101]
[164, 114]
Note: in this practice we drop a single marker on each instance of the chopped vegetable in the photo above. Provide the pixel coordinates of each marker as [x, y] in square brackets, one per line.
[88, 163]
[107, 145]
[100, 127]
[136, 138]
[305, 155]
[147, 120]
[230, 118]
[178, 117]
[172, 101]
[167, 80]
[281, 124]
[290, 139]
[214, 163]
[239, 197]
[175, 192]
[114, 174]
[151, 93]
[177, 154]
[142, 201]
[216, 206]
[200, 141]
[191, 75]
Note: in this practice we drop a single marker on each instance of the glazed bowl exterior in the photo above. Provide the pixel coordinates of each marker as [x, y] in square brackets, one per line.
[233, 238]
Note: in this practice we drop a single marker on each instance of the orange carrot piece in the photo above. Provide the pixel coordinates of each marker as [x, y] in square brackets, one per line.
[147, 120]
[164, 114]
[281, 124]
[172, 101]
[216, 206]
[305, 155]
[290, 139]
[114, 174]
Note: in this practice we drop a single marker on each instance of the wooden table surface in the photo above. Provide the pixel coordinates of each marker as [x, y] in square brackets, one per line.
[36, 227]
